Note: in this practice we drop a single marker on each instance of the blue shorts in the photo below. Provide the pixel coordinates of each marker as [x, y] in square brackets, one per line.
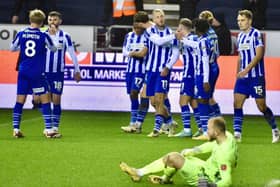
[187, 87]
[213, 77]
[156, 83]
[56, 82]
[134, 81]
[199, 90]
[28, 84]
[254, 87]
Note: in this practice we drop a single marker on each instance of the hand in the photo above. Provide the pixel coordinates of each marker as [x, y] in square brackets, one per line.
[206, 86]
[187, 152]
[52, 29]
[164, 72]
[241, 74]
[131, 54]
[77, 77]
[15, 19]
[202, 182]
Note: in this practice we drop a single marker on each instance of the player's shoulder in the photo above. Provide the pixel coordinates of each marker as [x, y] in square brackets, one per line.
[192, 36]
[168, 28]
[130, 34]
[64, 33]
[256, 32]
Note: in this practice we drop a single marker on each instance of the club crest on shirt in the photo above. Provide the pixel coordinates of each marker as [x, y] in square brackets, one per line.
[223, 167]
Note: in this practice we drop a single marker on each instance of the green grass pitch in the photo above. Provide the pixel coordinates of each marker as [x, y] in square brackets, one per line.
[92, 146]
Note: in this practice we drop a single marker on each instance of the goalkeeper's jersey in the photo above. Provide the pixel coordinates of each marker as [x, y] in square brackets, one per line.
[223, 158]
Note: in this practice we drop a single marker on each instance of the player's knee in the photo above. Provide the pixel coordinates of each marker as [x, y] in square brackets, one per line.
[134, 94]
[153, 103]
[237, 104]
[174, 160]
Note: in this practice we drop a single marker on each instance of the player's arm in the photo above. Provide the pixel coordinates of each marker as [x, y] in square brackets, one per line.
[204, 148]
[171, 61]
[238, 64]
[125, 49]
[139, 54]
[15, 43]
[205, 61]
[174, 57]
[189, 43]
[71, 50]
[160, 41]
[50, 43]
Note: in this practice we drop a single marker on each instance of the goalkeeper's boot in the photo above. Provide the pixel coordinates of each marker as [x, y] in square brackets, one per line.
[132, 172]
[275, 136]
[153, 134]
[18, 134]
[155, 179]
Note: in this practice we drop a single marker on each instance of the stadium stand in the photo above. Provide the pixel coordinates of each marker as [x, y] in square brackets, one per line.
[273, 15]
[92, 12]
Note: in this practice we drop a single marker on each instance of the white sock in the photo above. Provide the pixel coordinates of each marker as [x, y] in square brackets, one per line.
[187, 130]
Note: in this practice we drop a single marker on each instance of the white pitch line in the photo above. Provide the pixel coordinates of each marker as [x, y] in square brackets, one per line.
[23, 121]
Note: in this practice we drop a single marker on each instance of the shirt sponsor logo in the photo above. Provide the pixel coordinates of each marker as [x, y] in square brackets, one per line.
[38, 90]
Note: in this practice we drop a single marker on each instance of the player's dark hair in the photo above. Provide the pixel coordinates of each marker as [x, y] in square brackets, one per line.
[141, 16]
[247, 13]
[219, 123]
[201, 25]
[186, 22]
[55, 13]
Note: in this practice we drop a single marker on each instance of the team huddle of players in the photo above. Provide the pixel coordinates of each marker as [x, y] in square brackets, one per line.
[152, 49]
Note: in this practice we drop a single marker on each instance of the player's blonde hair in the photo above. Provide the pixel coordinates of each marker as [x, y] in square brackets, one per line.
[219, 123]
[186, 22]
[247, 13]
[207, 15]
[37, 16]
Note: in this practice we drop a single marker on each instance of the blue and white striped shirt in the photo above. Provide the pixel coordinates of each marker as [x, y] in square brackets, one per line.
[55, 61]
[158, 55]
[190, 58]
[213, 38]
[134, 42]
[247, 43]
[204, 51]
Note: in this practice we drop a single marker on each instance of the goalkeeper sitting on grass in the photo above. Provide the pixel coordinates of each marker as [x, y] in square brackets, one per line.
[215, 171]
